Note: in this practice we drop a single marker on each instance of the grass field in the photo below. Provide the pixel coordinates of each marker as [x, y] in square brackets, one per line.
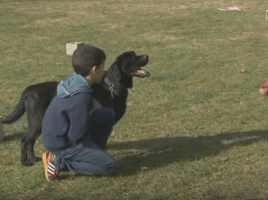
[195, 130]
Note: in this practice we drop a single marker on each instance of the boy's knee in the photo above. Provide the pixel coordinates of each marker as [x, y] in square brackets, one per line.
[108, 116]
[104, 116]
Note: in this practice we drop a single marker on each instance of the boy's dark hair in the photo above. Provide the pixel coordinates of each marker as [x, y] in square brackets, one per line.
[85, 57]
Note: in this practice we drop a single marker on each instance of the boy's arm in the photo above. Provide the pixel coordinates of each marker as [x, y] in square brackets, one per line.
[79, 119]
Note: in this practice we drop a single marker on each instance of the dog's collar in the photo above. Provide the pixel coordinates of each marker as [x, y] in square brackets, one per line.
[110, 85]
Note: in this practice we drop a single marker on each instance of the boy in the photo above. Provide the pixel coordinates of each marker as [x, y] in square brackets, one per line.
[75, 136]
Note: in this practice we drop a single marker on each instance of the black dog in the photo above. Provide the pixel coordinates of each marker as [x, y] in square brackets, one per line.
[112, 92]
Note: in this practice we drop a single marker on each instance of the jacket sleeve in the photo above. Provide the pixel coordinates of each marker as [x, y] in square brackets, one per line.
[79, 119]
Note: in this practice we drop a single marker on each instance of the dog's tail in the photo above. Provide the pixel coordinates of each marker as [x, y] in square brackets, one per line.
[16, 114]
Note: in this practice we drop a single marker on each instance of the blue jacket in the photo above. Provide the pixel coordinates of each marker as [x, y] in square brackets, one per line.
[66, 120]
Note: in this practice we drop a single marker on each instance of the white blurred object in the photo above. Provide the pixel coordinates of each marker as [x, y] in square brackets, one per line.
[71, 47]
[233, 8]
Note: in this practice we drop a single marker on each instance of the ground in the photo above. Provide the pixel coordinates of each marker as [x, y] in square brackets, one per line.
[197, 129]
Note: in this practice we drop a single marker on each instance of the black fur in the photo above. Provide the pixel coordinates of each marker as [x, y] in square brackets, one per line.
[36, 98]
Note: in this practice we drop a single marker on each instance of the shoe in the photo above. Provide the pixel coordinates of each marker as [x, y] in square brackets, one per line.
[51, 173]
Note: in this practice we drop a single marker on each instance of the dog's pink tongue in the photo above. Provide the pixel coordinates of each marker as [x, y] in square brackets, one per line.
[144, 72]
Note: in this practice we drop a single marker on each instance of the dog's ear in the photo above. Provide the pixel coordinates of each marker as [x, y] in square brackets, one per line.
[115, 70]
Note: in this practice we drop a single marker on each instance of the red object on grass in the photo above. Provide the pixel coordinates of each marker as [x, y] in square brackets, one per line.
[264, 88]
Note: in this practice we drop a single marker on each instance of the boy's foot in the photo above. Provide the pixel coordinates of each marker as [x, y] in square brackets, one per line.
[51, 173]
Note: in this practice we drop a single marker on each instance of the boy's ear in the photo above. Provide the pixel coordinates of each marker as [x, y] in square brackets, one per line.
[94, 69]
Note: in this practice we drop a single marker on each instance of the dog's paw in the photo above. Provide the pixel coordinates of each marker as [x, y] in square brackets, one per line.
[27, 163]
[37, 159]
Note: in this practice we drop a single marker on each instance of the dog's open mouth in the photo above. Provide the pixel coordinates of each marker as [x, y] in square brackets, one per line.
[140, 73]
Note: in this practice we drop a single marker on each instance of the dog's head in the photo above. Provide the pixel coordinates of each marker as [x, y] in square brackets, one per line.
[128, 65]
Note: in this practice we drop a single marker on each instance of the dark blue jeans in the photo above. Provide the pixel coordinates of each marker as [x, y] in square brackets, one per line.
[89, 157]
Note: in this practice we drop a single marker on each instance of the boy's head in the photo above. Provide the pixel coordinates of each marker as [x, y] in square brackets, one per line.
[89, 62]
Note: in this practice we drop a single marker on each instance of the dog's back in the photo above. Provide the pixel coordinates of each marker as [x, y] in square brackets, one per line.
[32, 96]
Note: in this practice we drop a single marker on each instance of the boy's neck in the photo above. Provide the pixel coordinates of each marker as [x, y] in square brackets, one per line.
[89, 80]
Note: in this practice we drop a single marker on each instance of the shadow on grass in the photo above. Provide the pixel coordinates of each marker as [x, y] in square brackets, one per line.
[164, 151]
[13, 136]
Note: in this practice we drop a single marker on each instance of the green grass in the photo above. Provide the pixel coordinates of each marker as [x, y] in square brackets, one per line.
[195, 130]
